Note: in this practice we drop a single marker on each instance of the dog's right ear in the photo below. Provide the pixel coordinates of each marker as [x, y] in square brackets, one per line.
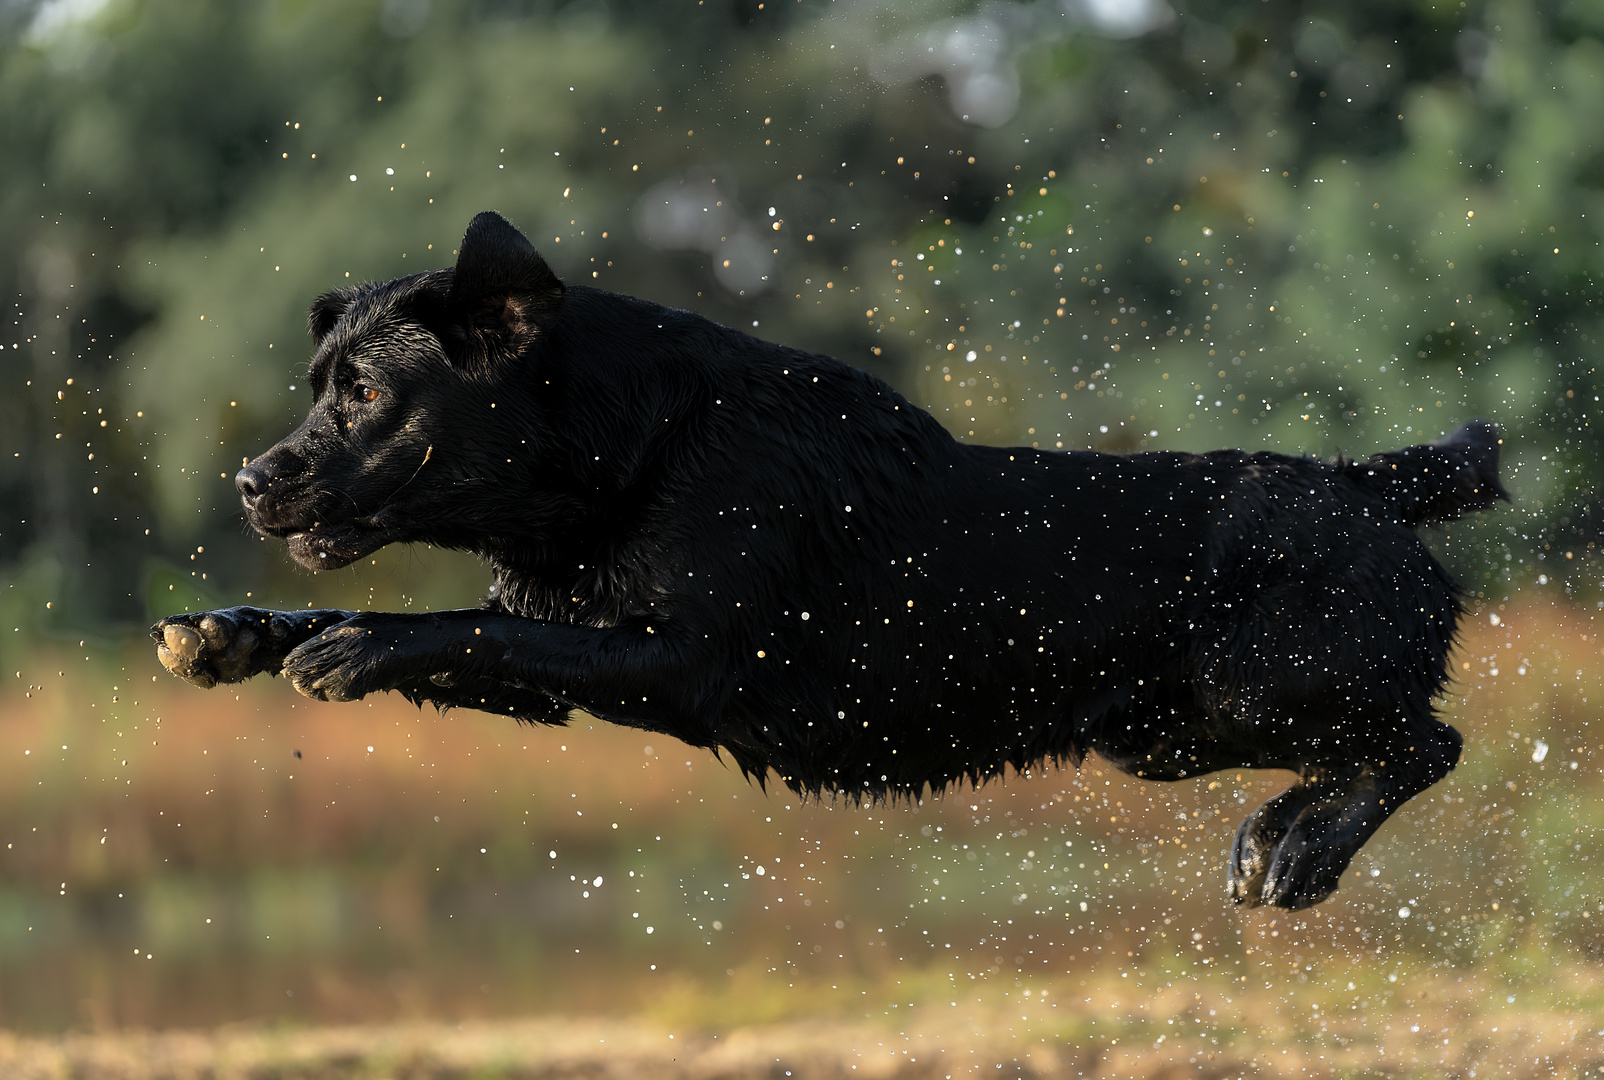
[326, 311]
[502, 287]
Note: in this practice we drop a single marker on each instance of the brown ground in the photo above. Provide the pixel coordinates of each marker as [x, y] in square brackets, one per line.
[1447, 1028]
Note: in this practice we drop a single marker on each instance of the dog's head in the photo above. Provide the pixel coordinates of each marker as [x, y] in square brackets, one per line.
[405, 418]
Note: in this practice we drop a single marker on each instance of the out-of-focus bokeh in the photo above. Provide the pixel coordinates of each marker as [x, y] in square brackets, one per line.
[1311, 227]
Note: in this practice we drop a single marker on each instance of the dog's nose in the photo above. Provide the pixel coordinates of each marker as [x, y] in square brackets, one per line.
[251, 482]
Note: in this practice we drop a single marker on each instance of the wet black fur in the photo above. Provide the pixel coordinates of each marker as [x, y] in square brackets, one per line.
[770, 553]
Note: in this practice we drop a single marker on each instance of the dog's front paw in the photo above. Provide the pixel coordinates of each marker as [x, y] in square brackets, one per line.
[210, 647]
[343, 663]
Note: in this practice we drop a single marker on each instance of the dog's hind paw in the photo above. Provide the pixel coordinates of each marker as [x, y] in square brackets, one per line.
[209, 647]
[1254, 848]
[1275, 859]
[1291, 852]
[1244, 872]
[1303, 873]
[1293, 873]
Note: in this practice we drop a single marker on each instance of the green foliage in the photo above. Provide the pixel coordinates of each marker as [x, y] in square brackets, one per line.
[1305, 227]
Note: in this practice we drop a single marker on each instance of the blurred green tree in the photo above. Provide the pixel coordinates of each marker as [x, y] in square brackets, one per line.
[1308, 227]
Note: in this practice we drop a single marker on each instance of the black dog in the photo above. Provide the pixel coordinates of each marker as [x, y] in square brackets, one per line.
[767, 551]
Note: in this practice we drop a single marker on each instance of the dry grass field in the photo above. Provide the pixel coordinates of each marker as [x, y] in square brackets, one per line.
[1446, 1027]
[249, 885]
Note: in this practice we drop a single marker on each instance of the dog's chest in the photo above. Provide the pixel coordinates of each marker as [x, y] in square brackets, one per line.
[596, 598]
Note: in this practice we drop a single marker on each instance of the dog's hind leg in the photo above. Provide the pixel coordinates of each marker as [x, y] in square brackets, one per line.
[1292, 851]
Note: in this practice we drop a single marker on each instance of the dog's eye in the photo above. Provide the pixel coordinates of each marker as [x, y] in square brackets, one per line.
[365, 393]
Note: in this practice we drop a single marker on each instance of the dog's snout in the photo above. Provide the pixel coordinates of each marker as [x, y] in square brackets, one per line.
[252, 482]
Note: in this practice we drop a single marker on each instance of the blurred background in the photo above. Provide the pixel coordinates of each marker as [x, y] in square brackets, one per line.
[1116, 224]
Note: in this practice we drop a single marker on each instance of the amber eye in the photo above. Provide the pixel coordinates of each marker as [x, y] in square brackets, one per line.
[366, 393]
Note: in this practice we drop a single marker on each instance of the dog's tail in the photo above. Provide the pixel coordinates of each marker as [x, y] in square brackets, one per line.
[1437, 481]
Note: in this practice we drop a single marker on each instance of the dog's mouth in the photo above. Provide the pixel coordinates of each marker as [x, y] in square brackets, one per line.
[319, 540]
[331, 545]
[329, 548]
[320, 544]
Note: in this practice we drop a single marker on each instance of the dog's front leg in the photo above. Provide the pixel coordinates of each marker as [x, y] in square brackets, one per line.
[638, 674]
[232, 644]
[445, 691]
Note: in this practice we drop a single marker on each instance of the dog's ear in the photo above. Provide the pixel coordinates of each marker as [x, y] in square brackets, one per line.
[502, 286]
[326, 311]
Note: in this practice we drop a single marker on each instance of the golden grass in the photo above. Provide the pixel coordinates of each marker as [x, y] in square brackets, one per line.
[1105, 1027]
